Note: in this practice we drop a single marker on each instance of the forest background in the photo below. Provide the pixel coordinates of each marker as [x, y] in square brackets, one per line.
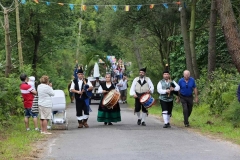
[199, 35]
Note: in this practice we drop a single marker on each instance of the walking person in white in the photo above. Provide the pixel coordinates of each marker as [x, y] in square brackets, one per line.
[166, 89]
[122, 85]
[140, 86]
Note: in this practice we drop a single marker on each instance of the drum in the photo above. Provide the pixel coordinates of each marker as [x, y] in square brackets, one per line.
[111, 99]
[147, 100]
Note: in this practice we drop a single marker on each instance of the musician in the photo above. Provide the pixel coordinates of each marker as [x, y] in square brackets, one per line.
[81, 86]
[166, 88]
[104, 114]
[187, 86]
[140, 86]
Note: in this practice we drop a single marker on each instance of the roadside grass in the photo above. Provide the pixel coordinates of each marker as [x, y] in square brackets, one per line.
[15, 142]
[200, 120]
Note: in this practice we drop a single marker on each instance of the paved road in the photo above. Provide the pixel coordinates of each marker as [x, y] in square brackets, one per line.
[128, 141]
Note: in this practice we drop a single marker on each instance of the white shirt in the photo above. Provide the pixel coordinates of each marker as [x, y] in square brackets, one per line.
[163, 91]
[122, 85]
[100, 90]
[44, 95]
[132, 89]
[80, 82]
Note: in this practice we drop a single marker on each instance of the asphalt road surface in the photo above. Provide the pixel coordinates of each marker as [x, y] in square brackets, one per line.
[128, 141]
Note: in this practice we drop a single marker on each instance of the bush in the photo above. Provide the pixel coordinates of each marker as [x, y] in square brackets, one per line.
[232, 113]
[11, 103]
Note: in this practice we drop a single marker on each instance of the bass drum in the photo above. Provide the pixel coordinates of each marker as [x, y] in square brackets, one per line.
[111, 99]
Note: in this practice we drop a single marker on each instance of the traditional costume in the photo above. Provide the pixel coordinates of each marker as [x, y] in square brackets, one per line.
[139, 87]
[82, 100]
[104, 114]
[166, 99]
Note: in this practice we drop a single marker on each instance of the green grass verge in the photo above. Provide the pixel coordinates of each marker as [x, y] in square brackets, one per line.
[15, 141]
[200, 121]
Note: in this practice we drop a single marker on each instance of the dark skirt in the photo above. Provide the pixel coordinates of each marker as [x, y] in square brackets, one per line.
[108, 115]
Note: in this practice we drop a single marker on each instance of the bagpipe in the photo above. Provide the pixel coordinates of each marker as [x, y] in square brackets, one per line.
[87, 96]
[172, 85]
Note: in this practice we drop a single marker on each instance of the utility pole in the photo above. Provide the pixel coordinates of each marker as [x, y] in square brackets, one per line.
[79, 32]
[19, 41]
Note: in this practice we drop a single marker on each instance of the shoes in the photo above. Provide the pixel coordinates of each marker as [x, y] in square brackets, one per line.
[167, 125]
[143, 124]
[80, 124]
[110, 123]
[187, 125]
[105, 123]
[37, 129]
[85, 123]
[72, 102]
[28, 129]
[139, 121]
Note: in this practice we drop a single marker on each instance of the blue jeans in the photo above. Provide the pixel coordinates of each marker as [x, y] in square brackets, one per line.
[28, 113]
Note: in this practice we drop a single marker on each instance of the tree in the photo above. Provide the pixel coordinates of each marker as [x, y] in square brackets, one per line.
[184, 31]
[212, 39]
[230, 30]
[6, 11]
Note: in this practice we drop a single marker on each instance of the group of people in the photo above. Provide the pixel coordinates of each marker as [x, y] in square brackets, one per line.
[141, 85]
[41, 96]
[81, 88]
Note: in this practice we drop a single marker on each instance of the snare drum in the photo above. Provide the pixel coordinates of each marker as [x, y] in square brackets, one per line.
[147, 100]
[111, 99]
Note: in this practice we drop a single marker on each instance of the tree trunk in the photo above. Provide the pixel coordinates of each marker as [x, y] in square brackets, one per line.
[19, 37]
[184, 31]
[36, 46]
[137, 53]
[212, 40]
[192, 39]
[230, 30]
[7, 43]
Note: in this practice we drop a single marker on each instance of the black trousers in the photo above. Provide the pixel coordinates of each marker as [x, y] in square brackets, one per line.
[187, 104]
[167, 106]
[139, 106]
[81, 108]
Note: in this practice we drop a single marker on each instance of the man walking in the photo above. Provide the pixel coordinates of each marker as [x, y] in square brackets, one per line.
[165, 88]
[140, 86]
[187, 86]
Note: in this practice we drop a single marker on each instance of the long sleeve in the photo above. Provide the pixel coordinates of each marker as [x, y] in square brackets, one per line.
[151, 86]
[89, 83]
[72, 86]
[159, 88]
[50, 91]
[177, 87]
[100, 90]
[132, 89]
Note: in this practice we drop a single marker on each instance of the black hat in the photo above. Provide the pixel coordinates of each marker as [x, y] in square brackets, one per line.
[80, 70]
[166, 69]
[143, 69]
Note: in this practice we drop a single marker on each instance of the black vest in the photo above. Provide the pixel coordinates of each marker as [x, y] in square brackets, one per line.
[77, 88]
